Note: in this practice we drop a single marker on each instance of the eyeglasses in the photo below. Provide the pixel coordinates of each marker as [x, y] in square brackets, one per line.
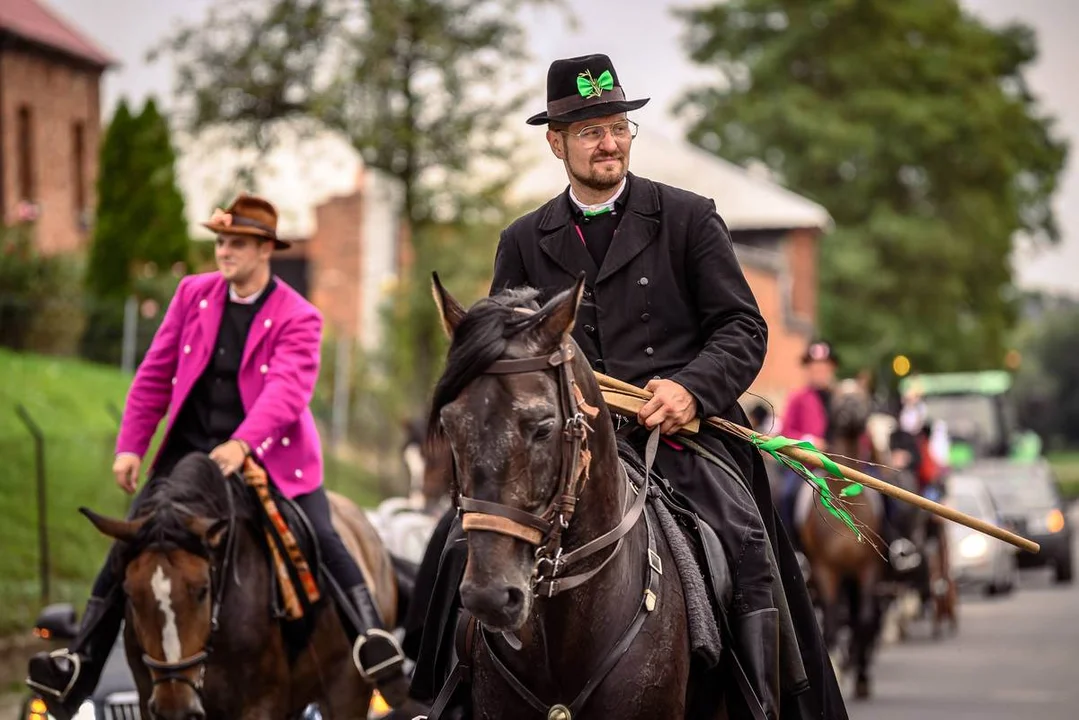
[593, 134]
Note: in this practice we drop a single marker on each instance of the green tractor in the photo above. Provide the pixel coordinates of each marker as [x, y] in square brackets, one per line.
[979, 412]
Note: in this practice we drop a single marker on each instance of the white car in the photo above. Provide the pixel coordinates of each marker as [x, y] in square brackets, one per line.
[978, 560]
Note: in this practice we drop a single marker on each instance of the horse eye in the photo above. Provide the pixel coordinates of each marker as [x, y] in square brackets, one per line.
[544, 429]
[203, 593]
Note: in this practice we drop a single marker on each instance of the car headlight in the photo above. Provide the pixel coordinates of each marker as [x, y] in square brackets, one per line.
[86, 711]
[973, 546]
[1046, 522]
[1054, 521]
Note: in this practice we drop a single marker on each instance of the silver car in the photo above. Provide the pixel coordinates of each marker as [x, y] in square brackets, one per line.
[977, 560]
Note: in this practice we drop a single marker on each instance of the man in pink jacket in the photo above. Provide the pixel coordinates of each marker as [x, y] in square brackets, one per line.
[233, 367]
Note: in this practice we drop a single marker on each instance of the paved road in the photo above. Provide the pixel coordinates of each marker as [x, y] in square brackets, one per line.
[1014, 659]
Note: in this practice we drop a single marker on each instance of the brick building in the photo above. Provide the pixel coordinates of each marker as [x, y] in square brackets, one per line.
[50, 124]
[344, 220]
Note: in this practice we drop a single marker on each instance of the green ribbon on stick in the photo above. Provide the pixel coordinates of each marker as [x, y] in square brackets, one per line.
[827, 497]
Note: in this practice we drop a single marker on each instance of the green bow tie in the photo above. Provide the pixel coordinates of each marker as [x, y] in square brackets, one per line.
[589, 88]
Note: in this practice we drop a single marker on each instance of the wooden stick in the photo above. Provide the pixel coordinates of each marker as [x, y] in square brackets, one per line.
[810, 459]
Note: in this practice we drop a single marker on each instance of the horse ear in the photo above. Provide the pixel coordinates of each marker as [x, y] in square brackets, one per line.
[122, 530]
[211, 531]
[561, 314]
[451, 311]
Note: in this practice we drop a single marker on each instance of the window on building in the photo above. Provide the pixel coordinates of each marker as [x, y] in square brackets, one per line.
[25, 149]
[78, 150]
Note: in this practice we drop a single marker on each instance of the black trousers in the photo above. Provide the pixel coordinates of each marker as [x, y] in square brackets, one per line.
[335, 556]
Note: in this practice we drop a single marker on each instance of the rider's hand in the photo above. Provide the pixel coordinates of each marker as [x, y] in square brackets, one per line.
[229, 455]
[126, 469]
[671, 406]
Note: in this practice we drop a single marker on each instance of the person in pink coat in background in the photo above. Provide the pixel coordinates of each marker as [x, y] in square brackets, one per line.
[233, 368]
[806, 418]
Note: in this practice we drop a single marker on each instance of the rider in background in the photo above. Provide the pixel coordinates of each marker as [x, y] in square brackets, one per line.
[806, 417]
[235, 360]
[931, 439]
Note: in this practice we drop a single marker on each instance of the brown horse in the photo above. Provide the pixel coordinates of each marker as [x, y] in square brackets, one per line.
[201, 637]
[838, 561]
[573, 620]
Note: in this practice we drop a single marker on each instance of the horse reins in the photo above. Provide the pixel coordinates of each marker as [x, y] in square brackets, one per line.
[164, 671]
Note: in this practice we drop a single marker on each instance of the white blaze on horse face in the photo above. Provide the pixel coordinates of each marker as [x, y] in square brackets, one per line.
[170, 636]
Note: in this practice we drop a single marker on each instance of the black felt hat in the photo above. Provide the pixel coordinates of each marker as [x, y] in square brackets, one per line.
[581, 88]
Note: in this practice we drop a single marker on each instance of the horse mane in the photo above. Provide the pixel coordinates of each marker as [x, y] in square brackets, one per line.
[195, 488]
[480, 339]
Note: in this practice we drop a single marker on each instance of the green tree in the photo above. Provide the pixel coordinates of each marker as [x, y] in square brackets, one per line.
[164, 240]
[112, 248]
[140, 231]
[913, 123]
[1047, 383]
[140, 211]
[422, 89]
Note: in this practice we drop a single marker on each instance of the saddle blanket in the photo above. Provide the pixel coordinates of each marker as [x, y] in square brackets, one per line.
[704, 638]
[290, 566]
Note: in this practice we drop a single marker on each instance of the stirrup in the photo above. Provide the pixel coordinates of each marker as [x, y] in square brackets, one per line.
[380, 670]
[60, 695]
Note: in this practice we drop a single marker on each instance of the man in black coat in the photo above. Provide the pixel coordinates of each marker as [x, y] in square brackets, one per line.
[667, 307]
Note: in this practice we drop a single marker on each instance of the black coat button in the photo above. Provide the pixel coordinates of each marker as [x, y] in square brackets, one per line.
[643, 281]
[600, 365]
[645, 317]
[588, 294]
[648, 351]
[590, 329]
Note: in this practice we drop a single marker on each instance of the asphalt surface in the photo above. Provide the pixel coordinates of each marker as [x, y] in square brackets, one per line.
[1013, 658]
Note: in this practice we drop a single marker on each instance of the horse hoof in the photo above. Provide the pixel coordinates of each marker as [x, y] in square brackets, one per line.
[861, 689]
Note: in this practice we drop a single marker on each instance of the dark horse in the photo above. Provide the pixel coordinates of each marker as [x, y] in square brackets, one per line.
[841, 566]
[543, 494]
[200, 633]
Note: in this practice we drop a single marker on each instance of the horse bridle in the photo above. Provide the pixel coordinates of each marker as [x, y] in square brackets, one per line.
[545, 529]
[162, 671]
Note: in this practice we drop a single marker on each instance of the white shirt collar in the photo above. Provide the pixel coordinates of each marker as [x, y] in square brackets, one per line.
[593, 209]
[249, 300]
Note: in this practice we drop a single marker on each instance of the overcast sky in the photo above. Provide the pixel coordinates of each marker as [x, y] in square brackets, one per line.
[644, 41]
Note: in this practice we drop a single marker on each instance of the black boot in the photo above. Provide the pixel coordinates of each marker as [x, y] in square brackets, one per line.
[375, 652]
[65, 678]
[756, 641]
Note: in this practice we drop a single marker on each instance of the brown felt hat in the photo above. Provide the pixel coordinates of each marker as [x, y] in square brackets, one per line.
[247, 215]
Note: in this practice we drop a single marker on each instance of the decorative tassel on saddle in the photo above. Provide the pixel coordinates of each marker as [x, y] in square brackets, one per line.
[279, 535]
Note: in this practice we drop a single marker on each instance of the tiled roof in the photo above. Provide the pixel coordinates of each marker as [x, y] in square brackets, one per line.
[33, 21]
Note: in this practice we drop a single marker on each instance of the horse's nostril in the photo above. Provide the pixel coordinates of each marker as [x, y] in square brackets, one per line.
[196, 715]
[514, 600]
